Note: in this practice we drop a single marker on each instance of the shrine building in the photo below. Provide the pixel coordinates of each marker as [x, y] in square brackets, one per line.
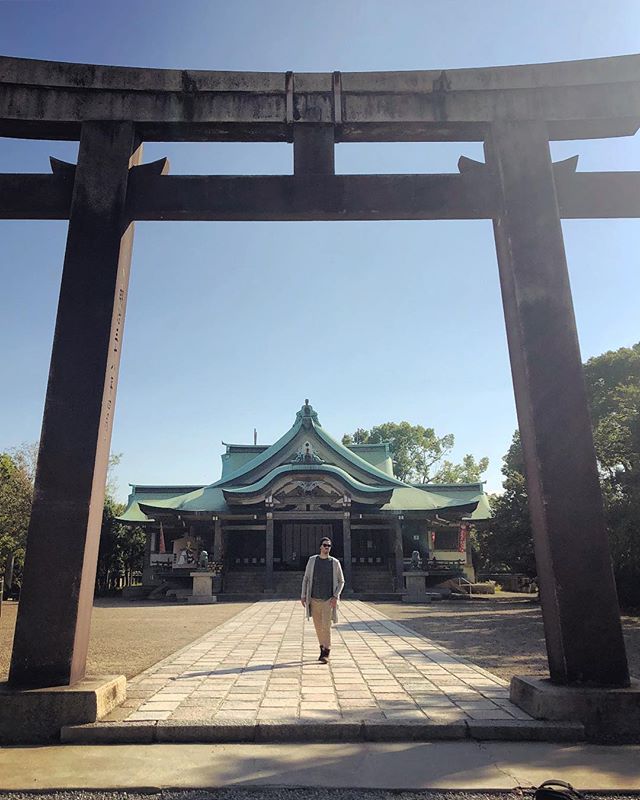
[273, 503]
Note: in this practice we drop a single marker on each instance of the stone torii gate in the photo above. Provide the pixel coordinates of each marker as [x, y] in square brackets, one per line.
[515, 111]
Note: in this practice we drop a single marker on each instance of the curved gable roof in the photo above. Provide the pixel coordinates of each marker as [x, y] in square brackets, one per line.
[307, 426]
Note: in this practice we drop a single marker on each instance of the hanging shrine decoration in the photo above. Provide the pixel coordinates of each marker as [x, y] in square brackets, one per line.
[462, 537]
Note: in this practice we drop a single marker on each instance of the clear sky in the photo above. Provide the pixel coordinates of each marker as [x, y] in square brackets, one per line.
[231, 325]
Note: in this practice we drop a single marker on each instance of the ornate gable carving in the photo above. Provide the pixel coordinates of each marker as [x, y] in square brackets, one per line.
[309, 495]
[307, 455]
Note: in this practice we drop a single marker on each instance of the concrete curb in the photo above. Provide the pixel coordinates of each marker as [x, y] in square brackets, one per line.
[174, 731]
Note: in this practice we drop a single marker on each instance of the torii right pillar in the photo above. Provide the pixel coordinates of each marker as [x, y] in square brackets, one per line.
[577, 590]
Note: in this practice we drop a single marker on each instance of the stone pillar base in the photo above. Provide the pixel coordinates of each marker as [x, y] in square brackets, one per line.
[608, 715]
[201, 599]
[202, 588]
[35, 716]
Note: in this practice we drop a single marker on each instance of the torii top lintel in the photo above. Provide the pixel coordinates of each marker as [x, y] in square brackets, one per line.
[578, 99]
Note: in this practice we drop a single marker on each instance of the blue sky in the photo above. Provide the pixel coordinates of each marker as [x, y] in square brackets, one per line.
[231, 325]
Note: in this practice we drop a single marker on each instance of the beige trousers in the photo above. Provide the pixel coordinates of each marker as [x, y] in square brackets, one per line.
[321, 614]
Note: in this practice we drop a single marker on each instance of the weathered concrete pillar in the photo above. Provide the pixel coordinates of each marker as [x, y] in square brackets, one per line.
[578, 597]
[52, 631]
[346, 552]
[268, 576]
[398, 554]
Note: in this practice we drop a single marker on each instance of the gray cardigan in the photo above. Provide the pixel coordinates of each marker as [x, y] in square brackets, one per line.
[307, 583]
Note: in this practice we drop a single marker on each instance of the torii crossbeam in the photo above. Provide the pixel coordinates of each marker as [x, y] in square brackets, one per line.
[515, 111]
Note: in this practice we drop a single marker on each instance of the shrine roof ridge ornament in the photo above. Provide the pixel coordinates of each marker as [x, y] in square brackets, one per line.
[578, 99]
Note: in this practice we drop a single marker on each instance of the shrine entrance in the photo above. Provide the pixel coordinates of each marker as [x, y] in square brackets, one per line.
[514, 111]
[296, 541]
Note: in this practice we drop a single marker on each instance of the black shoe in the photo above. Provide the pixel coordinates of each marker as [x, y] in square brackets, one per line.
[324, 656]
[321, 656]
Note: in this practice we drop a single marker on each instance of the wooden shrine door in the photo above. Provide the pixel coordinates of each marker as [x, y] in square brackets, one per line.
[301, 540]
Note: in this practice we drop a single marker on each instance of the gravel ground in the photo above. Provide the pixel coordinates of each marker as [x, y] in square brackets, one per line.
[502, 635]
[295, 794]
[128, 637]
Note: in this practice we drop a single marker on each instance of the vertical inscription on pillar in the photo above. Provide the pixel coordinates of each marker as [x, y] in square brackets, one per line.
[52, 630]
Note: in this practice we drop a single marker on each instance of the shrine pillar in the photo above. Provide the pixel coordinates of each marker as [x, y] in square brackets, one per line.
[52, 630]
[398, 553]
[346, 552]
[268, 560]
[577, 590]
[217, 540]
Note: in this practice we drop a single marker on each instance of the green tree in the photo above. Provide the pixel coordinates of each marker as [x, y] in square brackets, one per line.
[507, 545]
[416, 452]
[16, 491]
[469, 471]
[121, 550]
[613, 391]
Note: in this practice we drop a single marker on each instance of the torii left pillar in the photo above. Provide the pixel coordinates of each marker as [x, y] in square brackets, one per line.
[54, 615]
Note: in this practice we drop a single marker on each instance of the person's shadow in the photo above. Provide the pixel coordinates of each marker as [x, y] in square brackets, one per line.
[239, 670]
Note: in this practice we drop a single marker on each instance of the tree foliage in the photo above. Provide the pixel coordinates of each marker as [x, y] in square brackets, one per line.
[121, 548]
[507, 545]
[469, 471]
[16, 491]
[613, 391]
[417, 453]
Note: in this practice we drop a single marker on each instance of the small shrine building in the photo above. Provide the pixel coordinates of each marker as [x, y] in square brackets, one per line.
[273, 503]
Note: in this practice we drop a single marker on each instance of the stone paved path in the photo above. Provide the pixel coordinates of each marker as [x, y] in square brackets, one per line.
[261, 665]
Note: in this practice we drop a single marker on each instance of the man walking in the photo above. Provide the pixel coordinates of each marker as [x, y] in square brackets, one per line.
[321, 586]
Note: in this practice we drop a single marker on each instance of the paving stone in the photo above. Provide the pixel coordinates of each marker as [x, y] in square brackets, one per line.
[256, 669]
[276, 704]
[357, 704]
[209, 703]
[159, 706]
[118, 714]
[131, 702]
[148, 715]
[235, 714]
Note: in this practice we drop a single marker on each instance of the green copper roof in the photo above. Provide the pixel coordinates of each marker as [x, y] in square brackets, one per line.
[150, 495]
[307, 468]
[237, 455]
[306, 426]
[377, 454]
[307, 448]
[208, 499]
[461, 494]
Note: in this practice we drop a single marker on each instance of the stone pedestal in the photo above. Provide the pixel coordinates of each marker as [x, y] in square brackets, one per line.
[416, 587]
[35, 716]
[202, 588]
[608, 715]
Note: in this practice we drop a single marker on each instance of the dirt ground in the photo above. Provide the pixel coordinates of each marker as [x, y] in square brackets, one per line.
[129, 636]
[505, 636]
[502, 635]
